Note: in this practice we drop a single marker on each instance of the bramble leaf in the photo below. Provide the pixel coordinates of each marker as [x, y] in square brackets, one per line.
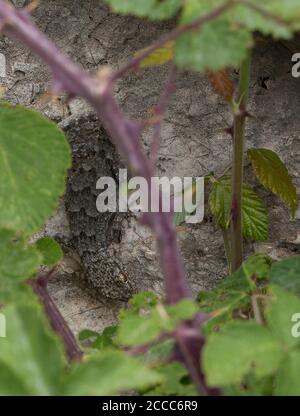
[86, 334]
[138, 330]
[189, 193]
[230, 293]
[254, 213]
[217, 44]
[50, 250]
[153, 9]
[12, 292]
[288, 10]
[18, 260]
[31, 359]
[279, 313]
[273, 174]
[233, 293]
[108, 373]
[172, 385]
[287, 380]
[106, 339]
[255, 21]
[160, 56]
[239, 347]
[142, 301]
[286, 273]
[146, 327]
[257, 266]
[219, 201]
[221, 83]
[34, 158]
[159, 352]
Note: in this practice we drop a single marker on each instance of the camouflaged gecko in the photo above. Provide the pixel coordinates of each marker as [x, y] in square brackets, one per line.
[91, 231]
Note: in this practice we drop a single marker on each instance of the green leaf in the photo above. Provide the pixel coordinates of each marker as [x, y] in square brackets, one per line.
[159, 57]
[273, 174]
[287, 382]
[257, 266]
[217, 44]
[108, 373]
[289, 10]
[188, 192]
[286, 273]
[12, 292]
[220, 200]
[143, 301]
[280, 311]
[230, 294]
[159, 352]
[138, 330]
[87, 334]
[18, 260]
[239, 347]
[255, 21]
[31, 360]
[153, 9]
[233, 293]
[144, 328]
[254, 213]
[34, 158]
[185, 309]
[179, 217]
[101, 341]
[107, 339]
[252, 386]
[221, 301]
[50, 250]
[173, 384]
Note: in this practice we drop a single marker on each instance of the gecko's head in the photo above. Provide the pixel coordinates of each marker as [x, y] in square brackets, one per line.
[112, 280]
[123, 287]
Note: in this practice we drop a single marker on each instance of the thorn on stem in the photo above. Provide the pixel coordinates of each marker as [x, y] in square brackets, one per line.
[152, 121]
[5, 24]
[246, 114]
[229, 130]
[31, 6]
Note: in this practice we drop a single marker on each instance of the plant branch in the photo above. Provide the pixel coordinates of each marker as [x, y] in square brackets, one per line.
[59, 325]
[236, 234]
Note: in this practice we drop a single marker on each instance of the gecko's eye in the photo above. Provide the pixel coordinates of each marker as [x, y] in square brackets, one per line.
[122, 277]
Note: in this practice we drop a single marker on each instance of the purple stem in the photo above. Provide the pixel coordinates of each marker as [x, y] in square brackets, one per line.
[59, 325]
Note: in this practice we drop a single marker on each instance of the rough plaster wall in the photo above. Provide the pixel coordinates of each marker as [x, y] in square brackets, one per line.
[193, 143]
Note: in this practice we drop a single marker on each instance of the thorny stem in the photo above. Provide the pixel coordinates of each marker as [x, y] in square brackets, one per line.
[236, 235]
[59, 325]
[126, 134]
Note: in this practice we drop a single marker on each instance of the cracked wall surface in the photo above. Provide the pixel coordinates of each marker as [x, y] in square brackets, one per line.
[193, 141]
